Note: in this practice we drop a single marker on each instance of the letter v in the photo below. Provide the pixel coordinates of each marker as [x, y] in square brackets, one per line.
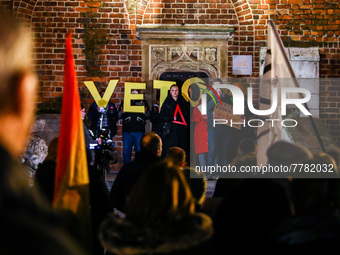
[101, 101]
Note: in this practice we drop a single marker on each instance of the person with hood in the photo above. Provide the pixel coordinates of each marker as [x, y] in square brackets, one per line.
[160, 218]
[175, 116]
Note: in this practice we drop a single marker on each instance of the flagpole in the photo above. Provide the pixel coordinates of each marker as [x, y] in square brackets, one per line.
[287, 62]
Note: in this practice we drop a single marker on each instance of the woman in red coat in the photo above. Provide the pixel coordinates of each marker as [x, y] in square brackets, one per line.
[200, 134]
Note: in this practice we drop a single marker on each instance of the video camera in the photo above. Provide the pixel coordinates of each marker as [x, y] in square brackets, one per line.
[103, 151]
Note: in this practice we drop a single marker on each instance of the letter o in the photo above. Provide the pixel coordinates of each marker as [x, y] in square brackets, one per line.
[262, 122]
[283, 123]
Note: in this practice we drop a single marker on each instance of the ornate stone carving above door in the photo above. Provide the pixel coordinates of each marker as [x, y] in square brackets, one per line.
[184, 48]
[183, 58]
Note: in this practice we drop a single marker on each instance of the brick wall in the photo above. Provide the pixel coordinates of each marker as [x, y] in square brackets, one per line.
[106, 47]
[307, 23]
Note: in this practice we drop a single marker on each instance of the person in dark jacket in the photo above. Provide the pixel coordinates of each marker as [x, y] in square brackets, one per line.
[155, 119]
[160, 218]
[223, 139]
[227, 138]
[212, 133]
[87, 136]
[151, 149]
[99, 200]
[133, 127]
[176, 112]
[315, 223]
[27, 224]
[103, 118]
[88, 139]
[198, 186]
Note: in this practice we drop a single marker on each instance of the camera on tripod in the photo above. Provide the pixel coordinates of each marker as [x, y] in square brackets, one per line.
[103, 151]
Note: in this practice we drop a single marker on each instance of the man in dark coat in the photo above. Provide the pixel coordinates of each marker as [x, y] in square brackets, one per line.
[27, 226]
[176, 112]
[151, 150]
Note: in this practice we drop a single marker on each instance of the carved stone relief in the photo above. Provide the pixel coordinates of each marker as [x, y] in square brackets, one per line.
[170, 48]
[185, 58]
[210, 54]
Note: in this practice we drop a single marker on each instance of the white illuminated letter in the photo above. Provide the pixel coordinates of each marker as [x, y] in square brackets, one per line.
[262, 112]
[298, 102]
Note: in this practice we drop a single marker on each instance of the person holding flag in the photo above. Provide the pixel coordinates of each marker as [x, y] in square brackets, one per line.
[277, 73]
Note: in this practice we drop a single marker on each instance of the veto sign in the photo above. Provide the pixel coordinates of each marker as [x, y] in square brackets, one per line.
[163, 86]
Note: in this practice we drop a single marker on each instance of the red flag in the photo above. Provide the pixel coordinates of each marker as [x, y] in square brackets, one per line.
[72, 179]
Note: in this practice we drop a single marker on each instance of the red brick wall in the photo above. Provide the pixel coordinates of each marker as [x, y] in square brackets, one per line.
[306, 23]
[106, 47]
[190, 12]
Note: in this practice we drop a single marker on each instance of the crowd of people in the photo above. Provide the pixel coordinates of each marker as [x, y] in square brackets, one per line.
[156, 205]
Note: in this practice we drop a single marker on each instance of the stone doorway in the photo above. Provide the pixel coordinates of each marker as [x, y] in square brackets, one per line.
[177, 52]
